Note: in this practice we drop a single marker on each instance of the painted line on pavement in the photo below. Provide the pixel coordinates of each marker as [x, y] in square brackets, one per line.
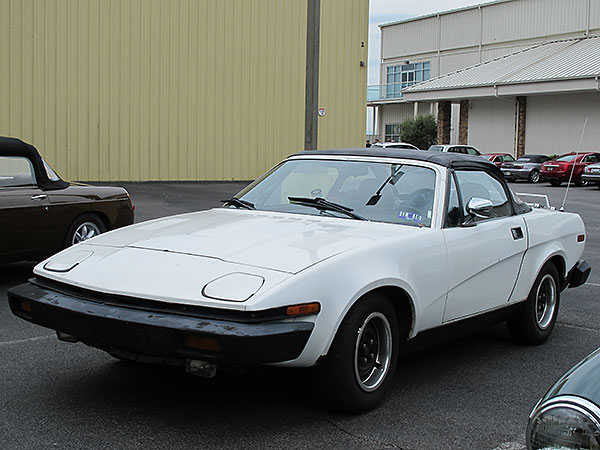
[23, 341]
[577, 327]
[593, 284]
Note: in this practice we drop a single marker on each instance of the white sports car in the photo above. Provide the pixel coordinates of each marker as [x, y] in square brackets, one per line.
[333, 259]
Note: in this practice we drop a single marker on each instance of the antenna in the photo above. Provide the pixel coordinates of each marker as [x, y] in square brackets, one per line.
[562, 207]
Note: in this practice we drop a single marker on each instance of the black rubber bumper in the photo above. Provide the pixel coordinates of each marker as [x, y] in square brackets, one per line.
[118, 329]
[579, 274]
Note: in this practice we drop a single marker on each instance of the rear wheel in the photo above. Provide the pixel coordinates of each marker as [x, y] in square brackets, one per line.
[534, 176]
[555, 182]
[581, 182]
[359, 367]
[534, 320]
[83, 228]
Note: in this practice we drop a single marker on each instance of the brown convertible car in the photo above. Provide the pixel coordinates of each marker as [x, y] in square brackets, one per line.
[41, 214]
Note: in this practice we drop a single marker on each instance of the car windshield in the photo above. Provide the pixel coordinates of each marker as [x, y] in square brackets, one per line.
[381, 192]
[436, 148]
[567, 157]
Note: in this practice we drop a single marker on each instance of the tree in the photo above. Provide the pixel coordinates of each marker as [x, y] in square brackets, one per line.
[420, 132]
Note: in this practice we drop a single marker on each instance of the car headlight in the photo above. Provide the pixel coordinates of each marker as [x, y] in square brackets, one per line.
[563, 424]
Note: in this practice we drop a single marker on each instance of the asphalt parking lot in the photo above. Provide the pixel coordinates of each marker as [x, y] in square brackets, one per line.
[472, 393]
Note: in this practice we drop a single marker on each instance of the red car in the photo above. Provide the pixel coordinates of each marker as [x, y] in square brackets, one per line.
[498, 158]
[559, 169]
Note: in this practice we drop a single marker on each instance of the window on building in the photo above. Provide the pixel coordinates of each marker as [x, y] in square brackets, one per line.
[392, 132]
[404, 75]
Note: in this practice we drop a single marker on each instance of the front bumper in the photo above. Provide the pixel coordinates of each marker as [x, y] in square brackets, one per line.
[591, 177]
[157, 334]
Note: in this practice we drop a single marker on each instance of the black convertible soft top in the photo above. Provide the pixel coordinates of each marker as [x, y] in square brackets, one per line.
[16, 147]
[447, 159]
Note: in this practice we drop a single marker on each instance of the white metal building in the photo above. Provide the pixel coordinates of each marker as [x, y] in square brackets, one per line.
[524, 72]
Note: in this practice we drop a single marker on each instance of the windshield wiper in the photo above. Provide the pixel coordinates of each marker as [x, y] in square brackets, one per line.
[393, 179]
[325, 205]
[239, 203]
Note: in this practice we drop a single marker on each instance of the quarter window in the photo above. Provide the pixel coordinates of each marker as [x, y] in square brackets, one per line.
[479, 184]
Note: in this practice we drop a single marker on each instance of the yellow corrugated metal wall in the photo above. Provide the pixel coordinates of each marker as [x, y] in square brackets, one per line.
[174, 89]
[342, 80]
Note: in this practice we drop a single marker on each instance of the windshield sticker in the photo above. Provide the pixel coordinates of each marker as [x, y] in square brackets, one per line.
[410, 216]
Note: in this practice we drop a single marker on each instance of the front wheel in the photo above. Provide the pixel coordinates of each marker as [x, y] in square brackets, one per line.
[359, 367]
[534, 320]
[534, 176]
[83, 228]
[581, 183]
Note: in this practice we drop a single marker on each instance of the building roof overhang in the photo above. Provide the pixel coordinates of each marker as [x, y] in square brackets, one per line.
[551, 68]
[505, 90]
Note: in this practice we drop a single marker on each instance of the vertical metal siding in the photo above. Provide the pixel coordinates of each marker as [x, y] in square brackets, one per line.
[164, 90]
[342, 80]
[460, 29]
[420, 36]
[595, 17]
[525, 19]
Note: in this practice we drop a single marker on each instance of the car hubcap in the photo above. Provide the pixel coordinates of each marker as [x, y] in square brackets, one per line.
[535, 177]
[373, 351]
[85, 231]
[545, 301]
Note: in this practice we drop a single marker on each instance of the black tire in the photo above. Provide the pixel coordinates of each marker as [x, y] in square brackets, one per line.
[581, 183]
[352, 382]
[77, 230]
[534, 176]
[533, 322]
[555, 183]
[598, 185]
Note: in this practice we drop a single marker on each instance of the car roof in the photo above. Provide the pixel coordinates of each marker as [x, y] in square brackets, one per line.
[450, 160]
[10, 146]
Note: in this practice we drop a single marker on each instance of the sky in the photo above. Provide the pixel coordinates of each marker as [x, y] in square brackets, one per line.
[385, 11]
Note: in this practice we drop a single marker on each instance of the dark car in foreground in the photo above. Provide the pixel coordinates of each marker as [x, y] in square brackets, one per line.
[568, 415]
[591, 174]
[41, 214]
[526, 167]
[567, 168]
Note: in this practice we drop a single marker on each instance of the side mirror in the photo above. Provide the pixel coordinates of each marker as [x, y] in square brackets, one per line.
[480, 207]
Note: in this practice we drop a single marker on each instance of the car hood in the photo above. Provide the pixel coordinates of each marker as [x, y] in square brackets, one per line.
[269, 240]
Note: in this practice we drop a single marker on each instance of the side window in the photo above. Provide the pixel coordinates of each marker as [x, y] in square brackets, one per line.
[471, 151]
[498, 159]
[453, 215]
[508, 158]
[479, 184]
[16, 171]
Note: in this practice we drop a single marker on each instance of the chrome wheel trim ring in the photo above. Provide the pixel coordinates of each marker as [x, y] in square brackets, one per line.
[535, 176]
[373, 351]
[545, 301]
[85, 231]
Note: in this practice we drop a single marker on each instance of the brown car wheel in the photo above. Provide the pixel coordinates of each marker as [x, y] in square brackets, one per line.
[83, 228]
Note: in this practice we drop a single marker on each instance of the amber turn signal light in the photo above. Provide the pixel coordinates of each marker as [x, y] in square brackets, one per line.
[581, 238]
[203, 343]
[303, 310]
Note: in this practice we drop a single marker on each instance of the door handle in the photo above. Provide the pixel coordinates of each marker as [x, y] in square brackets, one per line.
[39, 197]
[517, 233]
